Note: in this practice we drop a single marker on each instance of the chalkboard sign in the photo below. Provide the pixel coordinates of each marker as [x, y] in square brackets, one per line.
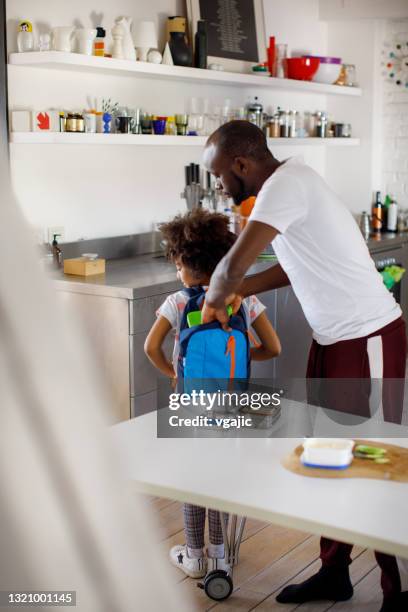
[235, 28]
[231, 29]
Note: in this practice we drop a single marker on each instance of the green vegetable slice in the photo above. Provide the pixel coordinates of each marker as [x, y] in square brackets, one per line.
[370, 450]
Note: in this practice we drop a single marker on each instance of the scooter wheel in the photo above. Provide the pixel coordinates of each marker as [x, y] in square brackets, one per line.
[218, 585]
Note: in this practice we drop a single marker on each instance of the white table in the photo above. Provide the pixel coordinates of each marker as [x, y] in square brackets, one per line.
[244, 476]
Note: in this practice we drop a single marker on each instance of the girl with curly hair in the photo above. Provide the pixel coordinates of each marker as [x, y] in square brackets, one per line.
[195, 243]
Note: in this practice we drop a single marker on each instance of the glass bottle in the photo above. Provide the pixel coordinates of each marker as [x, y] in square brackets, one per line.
[200, 46]
[99, 42]
[281, 53]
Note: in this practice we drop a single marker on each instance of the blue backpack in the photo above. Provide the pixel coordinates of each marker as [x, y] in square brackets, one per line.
[209, 352]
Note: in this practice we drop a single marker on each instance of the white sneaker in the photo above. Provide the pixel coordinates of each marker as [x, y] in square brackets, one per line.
[218, 564]
[195, 568]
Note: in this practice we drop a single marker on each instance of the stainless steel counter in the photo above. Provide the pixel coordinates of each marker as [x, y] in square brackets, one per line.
[147, 275]
[131, 278]
[386, 241]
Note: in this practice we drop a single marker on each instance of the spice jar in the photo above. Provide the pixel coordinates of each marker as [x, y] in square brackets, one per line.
[80, 123]
[346, 130]
[350, 74]
[274, 126]
[321, 125]
[74, 123]
[284, 124]
[401, 222]
[292, 120]
[70, 123]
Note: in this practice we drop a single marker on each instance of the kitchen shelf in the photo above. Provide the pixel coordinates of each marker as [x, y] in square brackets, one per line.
[103, 65]
[153, 140]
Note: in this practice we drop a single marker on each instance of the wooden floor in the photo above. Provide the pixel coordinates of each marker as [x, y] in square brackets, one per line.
[270, 557]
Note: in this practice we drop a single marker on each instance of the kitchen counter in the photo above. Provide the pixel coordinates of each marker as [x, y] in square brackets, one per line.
[386, 241]
[131, 278]
[147, 275]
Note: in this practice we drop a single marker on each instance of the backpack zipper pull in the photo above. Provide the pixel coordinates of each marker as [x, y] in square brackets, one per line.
[230, 350]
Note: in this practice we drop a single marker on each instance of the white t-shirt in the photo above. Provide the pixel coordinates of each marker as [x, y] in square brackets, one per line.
[322, 251]
[173, 307]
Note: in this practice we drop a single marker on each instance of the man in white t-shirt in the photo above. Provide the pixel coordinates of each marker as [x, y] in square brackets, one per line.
[358, 332]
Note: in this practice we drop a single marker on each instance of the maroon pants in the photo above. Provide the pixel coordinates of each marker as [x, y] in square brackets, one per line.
[349, 359]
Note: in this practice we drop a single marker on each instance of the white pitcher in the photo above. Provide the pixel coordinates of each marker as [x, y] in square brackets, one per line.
[62, 38]
[85, 38]
[128, 46]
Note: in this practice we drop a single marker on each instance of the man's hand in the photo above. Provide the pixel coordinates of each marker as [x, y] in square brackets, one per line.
[210, 313]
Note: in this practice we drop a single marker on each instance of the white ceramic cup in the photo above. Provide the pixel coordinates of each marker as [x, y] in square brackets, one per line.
[85, 38]
[62, 37]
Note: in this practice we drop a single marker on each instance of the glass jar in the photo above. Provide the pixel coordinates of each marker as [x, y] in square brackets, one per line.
[321, 125]
[309, 123]
[346, 130]
[350, 75]
[255, 112]
[284, 124]
[292, 120]
[71, 123]
[274, 127]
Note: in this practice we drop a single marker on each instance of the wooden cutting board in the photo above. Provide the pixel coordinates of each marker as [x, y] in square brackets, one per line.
[396, 469]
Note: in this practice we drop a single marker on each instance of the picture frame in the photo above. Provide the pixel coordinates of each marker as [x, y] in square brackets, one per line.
[236, 32]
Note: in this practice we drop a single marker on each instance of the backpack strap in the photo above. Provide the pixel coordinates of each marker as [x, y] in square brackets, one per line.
[195, 301]
[253, 340]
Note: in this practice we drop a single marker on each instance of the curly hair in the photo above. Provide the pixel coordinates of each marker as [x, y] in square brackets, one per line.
[199, 238]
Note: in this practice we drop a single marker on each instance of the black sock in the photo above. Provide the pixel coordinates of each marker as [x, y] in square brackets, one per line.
[331, 583]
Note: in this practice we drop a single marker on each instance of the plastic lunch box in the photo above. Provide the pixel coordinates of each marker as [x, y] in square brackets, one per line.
[329, 453]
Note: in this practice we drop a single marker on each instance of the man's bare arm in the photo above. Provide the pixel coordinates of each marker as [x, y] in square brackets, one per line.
[228, 275]
[272, 278]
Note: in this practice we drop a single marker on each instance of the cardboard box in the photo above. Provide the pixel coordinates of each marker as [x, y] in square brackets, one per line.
[82, 266]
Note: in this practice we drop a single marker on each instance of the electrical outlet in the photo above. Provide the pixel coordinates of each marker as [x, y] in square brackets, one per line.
[56, 229]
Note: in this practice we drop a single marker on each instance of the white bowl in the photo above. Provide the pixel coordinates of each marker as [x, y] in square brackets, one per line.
[334, 453]
[327, 73]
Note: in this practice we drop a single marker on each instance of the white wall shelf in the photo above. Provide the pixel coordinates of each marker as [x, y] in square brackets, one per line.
[153, 140]
[58, 60]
